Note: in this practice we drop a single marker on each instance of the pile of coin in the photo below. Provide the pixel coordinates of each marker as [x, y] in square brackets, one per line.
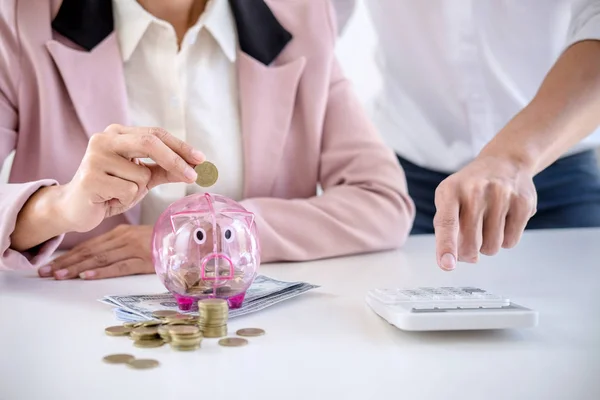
[146, 337]
[183, 332]
[213, 315]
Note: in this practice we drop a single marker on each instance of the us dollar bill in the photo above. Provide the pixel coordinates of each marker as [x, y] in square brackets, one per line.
[264, 292]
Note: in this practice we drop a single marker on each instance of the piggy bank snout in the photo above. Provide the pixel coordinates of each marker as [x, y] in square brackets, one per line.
[217, 266]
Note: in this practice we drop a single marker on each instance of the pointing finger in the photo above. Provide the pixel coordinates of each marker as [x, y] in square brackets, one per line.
[446, 226]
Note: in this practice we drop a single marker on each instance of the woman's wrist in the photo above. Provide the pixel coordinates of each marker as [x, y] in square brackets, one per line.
[41, 218]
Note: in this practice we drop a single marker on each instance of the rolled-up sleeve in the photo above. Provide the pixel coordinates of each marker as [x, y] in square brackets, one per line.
[585, 21]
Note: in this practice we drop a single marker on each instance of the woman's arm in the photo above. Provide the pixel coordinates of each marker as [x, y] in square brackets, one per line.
[365, 204]
[13, 197]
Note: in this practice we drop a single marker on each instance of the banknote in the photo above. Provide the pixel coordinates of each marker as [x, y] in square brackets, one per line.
[264, 292]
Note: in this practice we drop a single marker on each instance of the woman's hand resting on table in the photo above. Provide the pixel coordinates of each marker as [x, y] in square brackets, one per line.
[123, 251]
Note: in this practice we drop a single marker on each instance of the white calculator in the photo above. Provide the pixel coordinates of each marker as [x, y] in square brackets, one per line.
[448, 309]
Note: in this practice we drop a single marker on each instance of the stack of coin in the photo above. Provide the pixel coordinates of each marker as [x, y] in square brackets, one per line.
[213, 315]
[185, 337]
[163, 331]
[146, 337]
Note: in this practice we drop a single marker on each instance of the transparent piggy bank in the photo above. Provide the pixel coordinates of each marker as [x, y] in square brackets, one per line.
[206, 246]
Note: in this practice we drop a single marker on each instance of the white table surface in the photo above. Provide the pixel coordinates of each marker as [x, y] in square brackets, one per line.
[325, 344]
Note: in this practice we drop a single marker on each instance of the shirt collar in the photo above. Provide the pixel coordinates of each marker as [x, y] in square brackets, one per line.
[219, 21]
[132, 20]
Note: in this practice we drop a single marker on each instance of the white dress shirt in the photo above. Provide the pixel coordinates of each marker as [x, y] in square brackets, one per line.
[191, 92]
[454, 72]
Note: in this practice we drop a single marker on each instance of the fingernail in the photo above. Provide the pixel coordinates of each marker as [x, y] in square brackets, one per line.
[190, 173]
[448, 262]
[198, 155]
[87, 274]
[61, 273]
[45, 271]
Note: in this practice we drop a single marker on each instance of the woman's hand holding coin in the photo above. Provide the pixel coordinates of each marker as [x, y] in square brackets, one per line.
[109, 181]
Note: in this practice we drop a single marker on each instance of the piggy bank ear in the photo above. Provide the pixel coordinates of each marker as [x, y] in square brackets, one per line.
[245, 216]
[180, 220]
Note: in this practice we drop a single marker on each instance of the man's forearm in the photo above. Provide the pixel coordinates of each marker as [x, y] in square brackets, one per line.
[565, 110]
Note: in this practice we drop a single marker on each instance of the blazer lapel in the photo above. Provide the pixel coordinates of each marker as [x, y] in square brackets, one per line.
[267, 100]
[95, 82]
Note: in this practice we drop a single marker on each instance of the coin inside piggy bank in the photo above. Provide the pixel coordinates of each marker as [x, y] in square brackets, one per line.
[206, 246]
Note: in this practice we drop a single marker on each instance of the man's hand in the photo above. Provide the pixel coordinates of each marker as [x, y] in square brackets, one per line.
[481, 208]
[123, 251]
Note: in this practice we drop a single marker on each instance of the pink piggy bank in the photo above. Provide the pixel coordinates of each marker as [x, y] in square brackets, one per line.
[205, 246]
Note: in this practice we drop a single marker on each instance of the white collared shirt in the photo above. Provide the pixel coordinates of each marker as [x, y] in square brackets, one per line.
[454, 72]
[191, 92]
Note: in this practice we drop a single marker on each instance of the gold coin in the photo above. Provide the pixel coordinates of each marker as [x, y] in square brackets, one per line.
[233, 342]
[214, 333]
[207, 174]
[152, 322]
[163, 330]
[180, 330]
[145, 331]
[179, 322]
[148, 344]
[118, 358]
[185, 348]
[117, 331]
[143, 364]
[250, 332]
[212, 302]
[164, 313]
[129, 324]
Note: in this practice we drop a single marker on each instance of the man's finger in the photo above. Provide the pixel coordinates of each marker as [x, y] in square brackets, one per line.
[516, 220]
[446, 226]
[132, 266]
[471, 227]
[493, 224]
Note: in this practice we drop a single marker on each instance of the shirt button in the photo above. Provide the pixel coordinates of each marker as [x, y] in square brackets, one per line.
[174, 101]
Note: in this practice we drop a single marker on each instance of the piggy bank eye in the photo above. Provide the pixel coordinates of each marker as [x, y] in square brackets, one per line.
[228, 235]
[199, 236]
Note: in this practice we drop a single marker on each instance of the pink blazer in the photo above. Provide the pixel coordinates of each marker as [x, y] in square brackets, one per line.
[61, 80]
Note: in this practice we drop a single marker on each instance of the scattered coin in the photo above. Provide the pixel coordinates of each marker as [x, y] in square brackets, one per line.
[164, 313]
[233, 342]
[118, 358]
[250, 332]
[143, 364]
[117, 331]
[207, 174]
[148, 344]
